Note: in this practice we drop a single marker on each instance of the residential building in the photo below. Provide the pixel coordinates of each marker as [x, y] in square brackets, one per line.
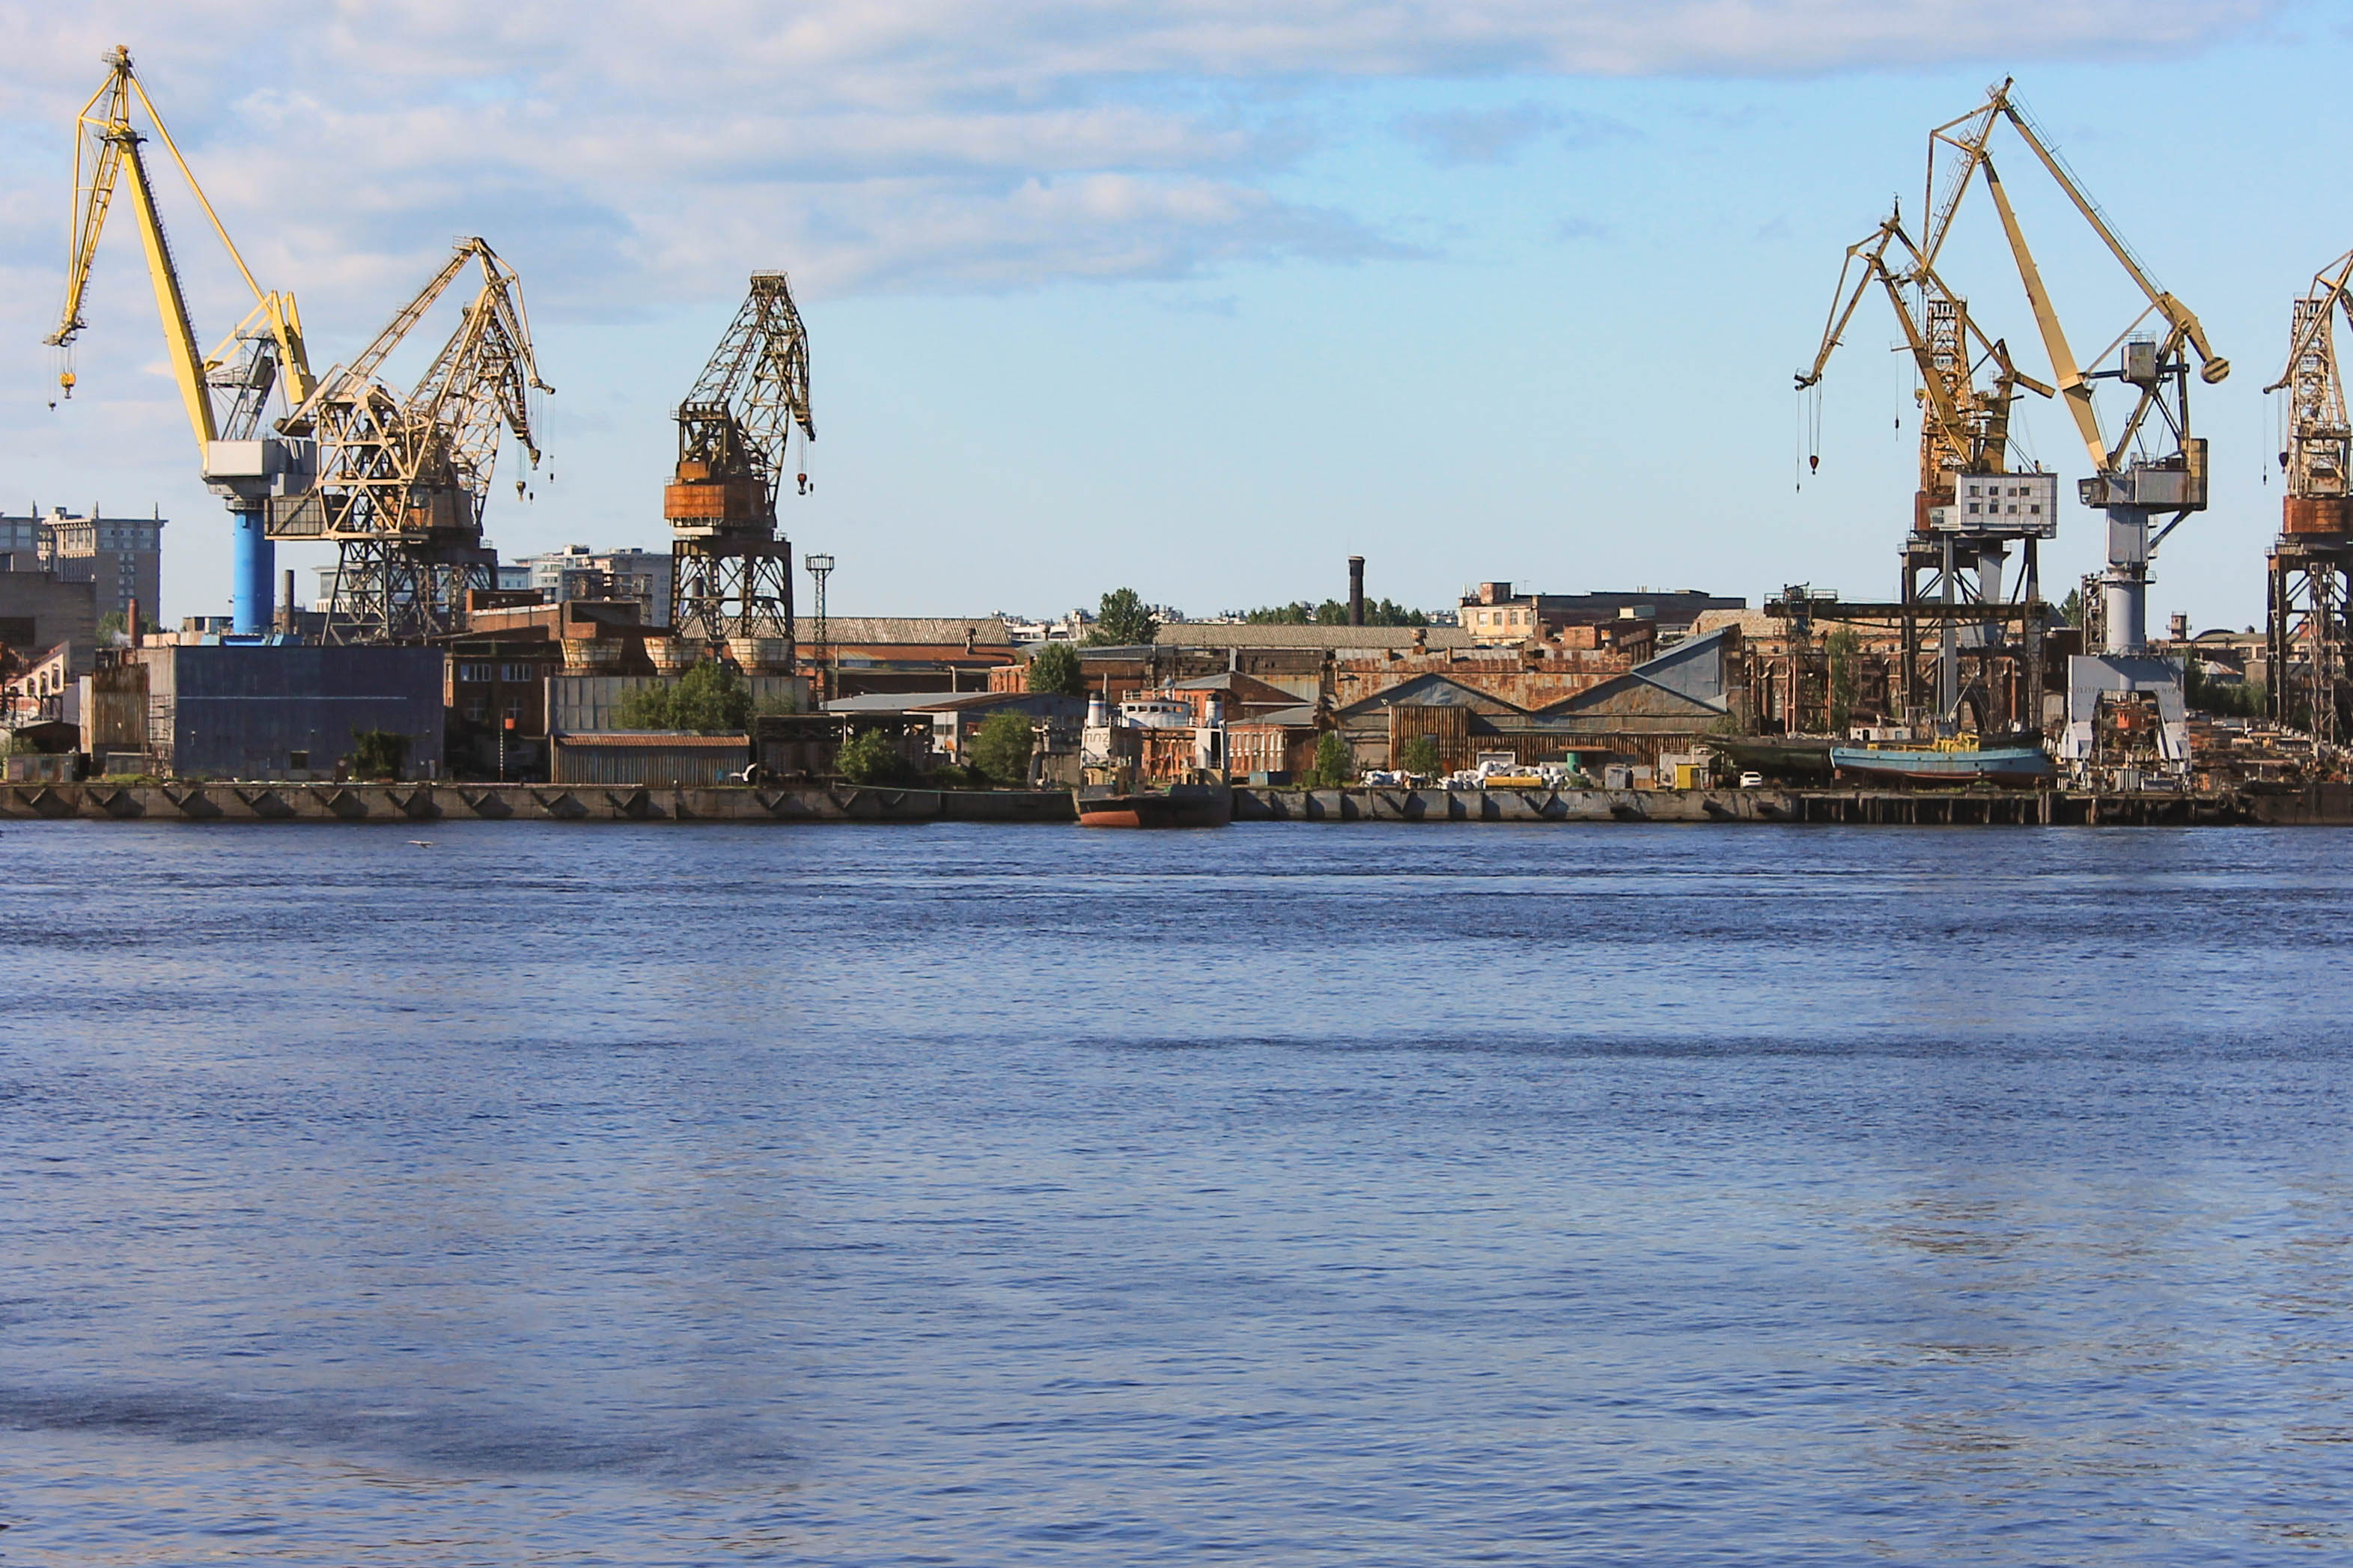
[120, 557]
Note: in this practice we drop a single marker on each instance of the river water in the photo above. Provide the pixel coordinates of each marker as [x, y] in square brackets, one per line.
[1289, 1194]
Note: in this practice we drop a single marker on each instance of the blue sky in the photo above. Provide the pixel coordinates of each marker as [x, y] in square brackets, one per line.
[1201, 300]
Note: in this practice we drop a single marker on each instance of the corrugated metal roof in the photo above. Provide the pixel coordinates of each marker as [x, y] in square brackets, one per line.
[928, 631]
[1229, 634]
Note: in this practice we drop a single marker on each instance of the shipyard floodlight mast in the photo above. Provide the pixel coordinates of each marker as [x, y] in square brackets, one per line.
[2309, 621]
[403, 478]
[226, 391]
[730, 574]
[1968, 510]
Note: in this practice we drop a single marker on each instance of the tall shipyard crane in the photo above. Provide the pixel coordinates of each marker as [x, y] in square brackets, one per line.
[403, 478]
[2310, 620]
[730, 574]
[2120, 699]
[226, 392]
[1968, 507]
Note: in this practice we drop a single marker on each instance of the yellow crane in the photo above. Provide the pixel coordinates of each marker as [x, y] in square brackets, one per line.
[226, 392]
[2130, 483]
[403, 477]
[1956, 555]
[2309, 621]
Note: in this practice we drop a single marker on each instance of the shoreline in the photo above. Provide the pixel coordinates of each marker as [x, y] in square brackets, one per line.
[398, 804]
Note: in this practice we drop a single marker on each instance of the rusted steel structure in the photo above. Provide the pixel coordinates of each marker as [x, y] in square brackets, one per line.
[2309, 607]
[732, 574]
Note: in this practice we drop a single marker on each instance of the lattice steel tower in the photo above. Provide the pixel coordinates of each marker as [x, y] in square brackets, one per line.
[732, 574]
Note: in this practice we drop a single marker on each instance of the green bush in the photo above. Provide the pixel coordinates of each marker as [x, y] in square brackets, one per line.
[1000, 749]
[711, 699]
[1055, 667]
[869, 758]
[1419, 755]
[378, 753]
[1335, 763]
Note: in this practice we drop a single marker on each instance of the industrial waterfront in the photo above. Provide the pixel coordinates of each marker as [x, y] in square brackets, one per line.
[425, 658]
[972, 1193]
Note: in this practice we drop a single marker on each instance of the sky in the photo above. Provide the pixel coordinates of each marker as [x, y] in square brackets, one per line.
[1203, 299]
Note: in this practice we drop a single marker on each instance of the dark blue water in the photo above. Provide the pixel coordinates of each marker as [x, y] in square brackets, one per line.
[1280, 1195]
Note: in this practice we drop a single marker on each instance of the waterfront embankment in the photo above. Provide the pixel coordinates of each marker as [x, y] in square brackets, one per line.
[394, 803]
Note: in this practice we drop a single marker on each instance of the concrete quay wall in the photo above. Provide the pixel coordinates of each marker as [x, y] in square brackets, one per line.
[395, 803]
[392, 805]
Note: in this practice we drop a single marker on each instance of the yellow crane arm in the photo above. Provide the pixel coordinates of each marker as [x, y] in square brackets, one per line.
[105, 142]
[2328, 286]
[2073, 388]
[2179, 316]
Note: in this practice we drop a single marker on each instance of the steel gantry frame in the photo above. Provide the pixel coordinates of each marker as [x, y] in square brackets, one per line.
[731, 573]
[2308, 620]
[404, 477]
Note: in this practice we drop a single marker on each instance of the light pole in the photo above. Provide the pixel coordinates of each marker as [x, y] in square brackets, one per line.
[821, 567]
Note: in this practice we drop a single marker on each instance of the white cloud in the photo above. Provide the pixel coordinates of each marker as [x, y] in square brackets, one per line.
[637, 151]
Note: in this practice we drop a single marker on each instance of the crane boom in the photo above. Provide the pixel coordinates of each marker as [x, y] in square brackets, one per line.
[223, 400]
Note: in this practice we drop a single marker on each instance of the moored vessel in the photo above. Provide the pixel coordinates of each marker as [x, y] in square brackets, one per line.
[1958, 761]
[1178, 805]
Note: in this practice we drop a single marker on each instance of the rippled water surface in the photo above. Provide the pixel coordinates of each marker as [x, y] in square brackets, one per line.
[1289, 1194]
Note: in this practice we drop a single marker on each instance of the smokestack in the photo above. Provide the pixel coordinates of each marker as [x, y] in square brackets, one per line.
[1355, 590]
[288, 624]
[133, 621]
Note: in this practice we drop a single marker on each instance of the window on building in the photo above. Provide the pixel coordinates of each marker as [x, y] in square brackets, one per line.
[519, 673]
[299, 761]
[478, 671]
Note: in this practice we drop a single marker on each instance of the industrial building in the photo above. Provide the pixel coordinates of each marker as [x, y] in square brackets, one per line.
[261, 711]
[1493, 614]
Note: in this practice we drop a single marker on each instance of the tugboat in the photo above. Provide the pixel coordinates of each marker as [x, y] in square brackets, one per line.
[1178, 805]
[1961, 760]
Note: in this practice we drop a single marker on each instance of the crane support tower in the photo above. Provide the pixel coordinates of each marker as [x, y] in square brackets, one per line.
[731, 578]
[2309, 620]
[403, 478]
[1969, 509]
[226, 391]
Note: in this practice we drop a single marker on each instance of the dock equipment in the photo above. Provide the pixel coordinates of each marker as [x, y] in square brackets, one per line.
[2309, 622]
[730, 574]
[226, 392]
[2119, 695]
[403, 478]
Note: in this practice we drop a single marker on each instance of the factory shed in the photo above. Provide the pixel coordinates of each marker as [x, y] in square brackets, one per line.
[258, 710]
[634, 759]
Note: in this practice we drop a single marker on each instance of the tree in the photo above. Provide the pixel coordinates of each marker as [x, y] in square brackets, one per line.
[1123, 620]
[1335, 613]
[1055, 667]
[1000, 748]
[869, 758]
[711, 697]
[2071, 609]
[1840, 649]
[1419, 755]
[1335, 763]
[378, 753]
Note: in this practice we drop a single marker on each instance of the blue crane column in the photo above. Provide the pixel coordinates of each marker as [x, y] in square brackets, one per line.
[253, 562]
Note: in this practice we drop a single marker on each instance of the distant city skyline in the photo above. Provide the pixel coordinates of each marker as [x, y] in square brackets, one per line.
[1199, 301]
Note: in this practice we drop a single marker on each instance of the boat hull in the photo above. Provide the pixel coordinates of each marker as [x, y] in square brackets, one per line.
[2016, 765]
[1180, 807]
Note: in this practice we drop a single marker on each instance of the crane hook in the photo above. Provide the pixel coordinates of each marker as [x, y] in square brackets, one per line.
[518, 489]
[804, 484]
[1813, 462]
